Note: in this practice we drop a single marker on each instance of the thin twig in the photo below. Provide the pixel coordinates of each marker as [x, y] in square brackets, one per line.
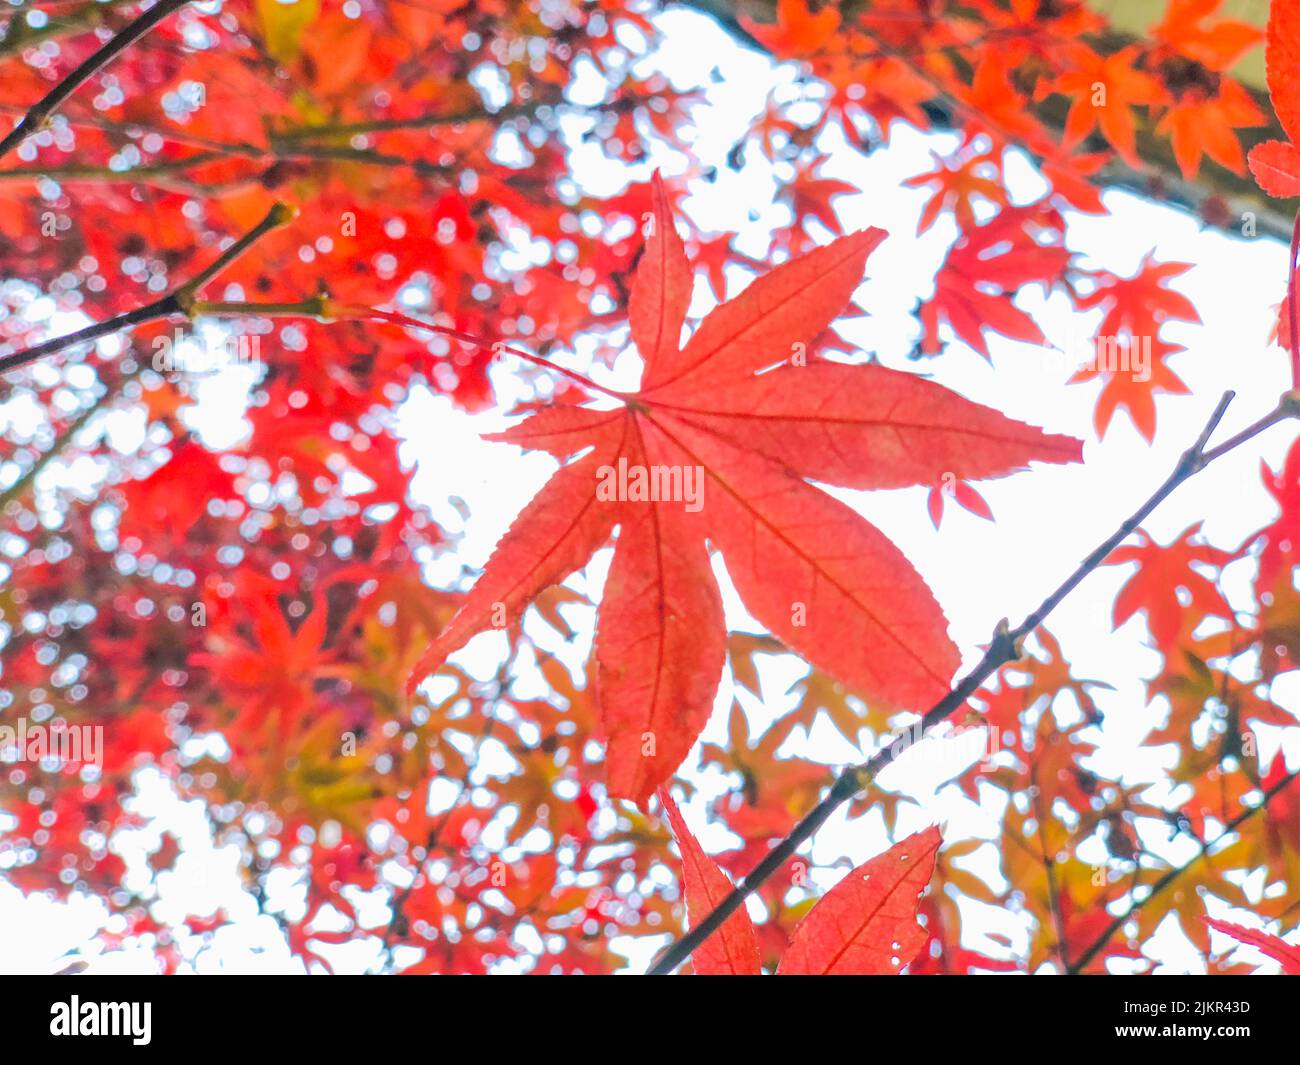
[1173, 874]
[40, 112]
[178, 301]
[1005, 647]
[111, 391]
[69, 172]
[1049, 867]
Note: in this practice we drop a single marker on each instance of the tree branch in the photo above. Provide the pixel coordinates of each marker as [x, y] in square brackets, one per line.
[40, 112]
[1049, 867]
[28, 477]
[1173, 874]
[178, 301]
[1005, 647]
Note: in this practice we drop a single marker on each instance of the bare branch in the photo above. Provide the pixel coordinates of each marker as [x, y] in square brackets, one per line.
[1005, 647]
[178, 301]
[40, 112]
[1173, 874]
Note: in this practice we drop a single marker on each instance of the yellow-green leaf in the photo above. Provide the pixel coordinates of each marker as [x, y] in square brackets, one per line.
[283, 23]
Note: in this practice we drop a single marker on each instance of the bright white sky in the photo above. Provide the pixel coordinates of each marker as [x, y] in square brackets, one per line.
[1047, 519]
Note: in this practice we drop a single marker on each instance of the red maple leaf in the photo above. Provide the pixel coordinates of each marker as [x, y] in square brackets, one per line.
[733, 949]
[798, 31]
[1274, 947]
[985, 268]
[1199, 125]
[956, 183]
[1276, 164]
[816, 574]
[1105, 91]
[1162, 574]
[864, 926]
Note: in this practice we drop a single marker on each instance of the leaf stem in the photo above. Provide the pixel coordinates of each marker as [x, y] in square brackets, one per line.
[495, 346]
[416, 122]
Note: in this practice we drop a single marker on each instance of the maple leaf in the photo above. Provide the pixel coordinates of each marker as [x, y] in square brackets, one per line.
[1141, 303]
[1275, 947]
[1106, 89]
[1276, 164]
[1162, 573]
[956, 185]
[1130, 355]
[1205, 126]
[823, 580]
[798, 32]
[865, 925]
[984, 269]
[1129, 385]
[733, 949]
[810, 195]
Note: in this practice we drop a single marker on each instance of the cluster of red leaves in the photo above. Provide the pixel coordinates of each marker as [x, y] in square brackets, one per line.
[995, 71]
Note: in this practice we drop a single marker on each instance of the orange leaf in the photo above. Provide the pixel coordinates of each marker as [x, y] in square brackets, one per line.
[1282, 61]
[1276, 166]
[733, 949]
[798, 32]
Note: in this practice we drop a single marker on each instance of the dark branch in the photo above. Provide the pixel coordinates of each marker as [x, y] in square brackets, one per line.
[178, 301]
[1005, 647]
[1173, 874]
[41, 111]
